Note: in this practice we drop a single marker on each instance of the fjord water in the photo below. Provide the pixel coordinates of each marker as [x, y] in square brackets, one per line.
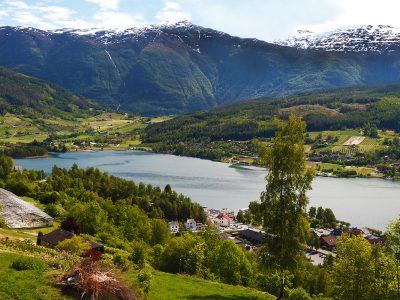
[362, 202]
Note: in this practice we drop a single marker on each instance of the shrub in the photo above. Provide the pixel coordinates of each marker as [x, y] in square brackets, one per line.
[54, 210]
[299, 294]
[139, 252]
[75, 245]
[28, 263]
[122, 261]
[3, 223]
[144, 278]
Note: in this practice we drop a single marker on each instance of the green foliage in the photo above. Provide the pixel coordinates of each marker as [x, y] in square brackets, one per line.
[3, 223]
[322, 217]
[364, 272]
[22, 150]
[139, 252]
[28, 263]
[208, 256]
[240, 217]
[145, 278]
[299, 294]
[75, 245]
[353, 268]
[159, 232]
[370, 130]
[284, 202]
[36, 99]
[228, 131]
[121, 261]
[6, 166]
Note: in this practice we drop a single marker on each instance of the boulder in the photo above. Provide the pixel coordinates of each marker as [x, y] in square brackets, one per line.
[18, 213]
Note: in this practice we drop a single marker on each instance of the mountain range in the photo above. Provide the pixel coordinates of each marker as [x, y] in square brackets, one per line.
[180, 68]
[364, 39]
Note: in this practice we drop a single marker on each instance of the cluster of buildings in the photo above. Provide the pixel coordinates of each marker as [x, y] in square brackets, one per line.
[327, 240]
[223, 220]
[190, 225]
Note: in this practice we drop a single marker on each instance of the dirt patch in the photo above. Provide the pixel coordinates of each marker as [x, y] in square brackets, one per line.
[354, 140]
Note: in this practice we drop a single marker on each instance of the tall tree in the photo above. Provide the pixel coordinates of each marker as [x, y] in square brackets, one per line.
[353, 268]
[393, 234]
[284, 202]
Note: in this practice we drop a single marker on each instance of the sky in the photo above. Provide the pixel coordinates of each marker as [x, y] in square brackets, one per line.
[263, 19]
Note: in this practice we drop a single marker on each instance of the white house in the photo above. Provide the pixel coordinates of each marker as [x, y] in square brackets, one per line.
[173, 226]
[224, 221]
[190, 224]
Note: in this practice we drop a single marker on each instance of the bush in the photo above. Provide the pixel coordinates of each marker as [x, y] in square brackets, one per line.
[3, 223]
[75, 245]
[28, 263]
[54, 210]
[139, 252]
[299, 294]
[144, 278]
[19, 187]
[122, 261]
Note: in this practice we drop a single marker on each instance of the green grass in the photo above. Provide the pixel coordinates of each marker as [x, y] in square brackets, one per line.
[28, 284]
[179, 287]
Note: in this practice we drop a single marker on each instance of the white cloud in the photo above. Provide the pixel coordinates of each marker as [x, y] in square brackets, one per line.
[262, 19]
[16, 4]
[40, 15]
[171, 13]
[359, 12]
[106, 5]
[111, 19]
[3, 14]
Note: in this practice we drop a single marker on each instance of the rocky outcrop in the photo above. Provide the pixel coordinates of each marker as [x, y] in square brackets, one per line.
[18, 213]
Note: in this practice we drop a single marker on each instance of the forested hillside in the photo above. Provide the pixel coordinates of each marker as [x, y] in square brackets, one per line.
[331, 110]
[36, 99]
[228, 130]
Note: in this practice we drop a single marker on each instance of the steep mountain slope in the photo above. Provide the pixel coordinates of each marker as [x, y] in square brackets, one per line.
[182, 67]
[34, 98]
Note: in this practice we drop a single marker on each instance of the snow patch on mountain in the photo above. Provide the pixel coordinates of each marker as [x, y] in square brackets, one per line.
[366, 38]
[107, 36]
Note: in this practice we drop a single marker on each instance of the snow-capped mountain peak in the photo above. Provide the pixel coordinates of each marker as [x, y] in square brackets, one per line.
[366, 38]
[106, 35]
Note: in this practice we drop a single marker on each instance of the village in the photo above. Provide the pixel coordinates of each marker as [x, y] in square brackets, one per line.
[321, 245]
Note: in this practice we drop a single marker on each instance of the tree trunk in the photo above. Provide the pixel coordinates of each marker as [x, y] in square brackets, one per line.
[282, 287]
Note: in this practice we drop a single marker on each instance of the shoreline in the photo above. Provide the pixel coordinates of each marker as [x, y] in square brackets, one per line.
[239, 165]
[34, 157]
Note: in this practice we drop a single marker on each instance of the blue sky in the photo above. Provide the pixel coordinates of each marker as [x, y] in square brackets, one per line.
[263, 19]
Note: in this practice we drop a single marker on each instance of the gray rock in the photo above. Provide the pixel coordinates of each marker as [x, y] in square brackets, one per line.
[18, 213]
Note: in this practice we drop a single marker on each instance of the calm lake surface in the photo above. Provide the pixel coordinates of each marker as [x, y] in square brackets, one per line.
[362, 202]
